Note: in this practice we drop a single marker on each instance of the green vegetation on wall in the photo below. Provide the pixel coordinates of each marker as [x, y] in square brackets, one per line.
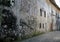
[5, 3]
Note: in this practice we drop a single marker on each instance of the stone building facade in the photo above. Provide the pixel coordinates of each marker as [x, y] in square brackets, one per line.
[40, 9]
[33, 15]
[56, 12]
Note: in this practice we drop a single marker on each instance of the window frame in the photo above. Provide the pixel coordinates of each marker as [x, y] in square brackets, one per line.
[44, 13]
[43, 25]
[40, 26]
[40, 12]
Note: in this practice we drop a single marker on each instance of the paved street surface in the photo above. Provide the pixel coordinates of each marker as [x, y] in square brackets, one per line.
[48, 37]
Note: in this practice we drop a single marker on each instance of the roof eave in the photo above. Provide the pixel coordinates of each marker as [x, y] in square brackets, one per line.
[53, 2]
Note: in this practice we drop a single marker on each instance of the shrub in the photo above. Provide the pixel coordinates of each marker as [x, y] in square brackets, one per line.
[5, 2]
[8, 28]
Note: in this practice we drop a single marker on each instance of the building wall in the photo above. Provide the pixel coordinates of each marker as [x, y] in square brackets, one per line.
[56, 11]
[58, 21]
[25, 9]
[30, 9]
[50, 4]
[50, 19]
[41, 4]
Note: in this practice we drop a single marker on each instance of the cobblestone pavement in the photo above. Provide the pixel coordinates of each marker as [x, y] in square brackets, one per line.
[48, 37]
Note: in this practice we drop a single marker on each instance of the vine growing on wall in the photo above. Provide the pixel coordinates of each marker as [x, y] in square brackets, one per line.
[8, 27]
[5, 3]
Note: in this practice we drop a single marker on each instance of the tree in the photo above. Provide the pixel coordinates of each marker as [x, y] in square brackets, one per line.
[5, 3]
[8, 27]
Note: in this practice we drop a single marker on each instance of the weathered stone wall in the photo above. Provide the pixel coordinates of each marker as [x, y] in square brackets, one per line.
[42, 4]
[26, 11]
[28, 16]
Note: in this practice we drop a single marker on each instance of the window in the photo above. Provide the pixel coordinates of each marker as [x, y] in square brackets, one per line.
[52, 11]
[40, 25]
[56, 14]
[43, 25]
[40, 12]
[44, 13]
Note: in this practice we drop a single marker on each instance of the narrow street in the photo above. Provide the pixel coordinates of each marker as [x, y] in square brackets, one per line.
[48, 37]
